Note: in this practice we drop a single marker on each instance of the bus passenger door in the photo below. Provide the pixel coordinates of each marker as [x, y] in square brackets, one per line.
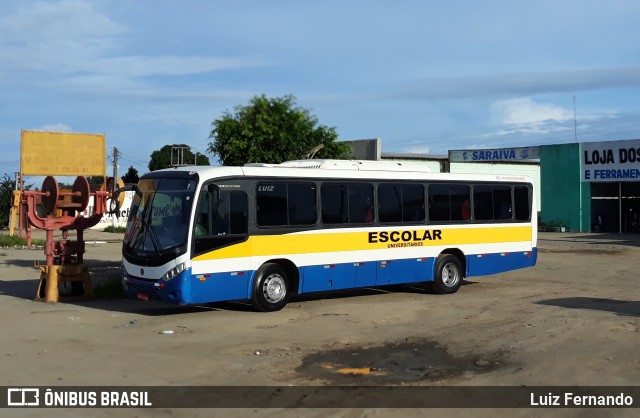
[221, 248]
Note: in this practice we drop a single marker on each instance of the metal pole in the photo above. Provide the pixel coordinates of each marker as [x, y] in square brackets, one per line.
[580, 210]
[575, 124]
[115, 183]
[620, 204]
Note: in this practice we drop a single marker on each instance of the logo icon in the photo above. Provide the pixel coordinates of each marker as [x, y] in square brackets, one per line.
[23, 397]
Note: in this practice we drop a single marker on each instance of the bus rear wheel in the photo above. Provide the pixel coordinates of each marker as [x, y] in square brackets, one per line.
[270, 288]
[448, 274]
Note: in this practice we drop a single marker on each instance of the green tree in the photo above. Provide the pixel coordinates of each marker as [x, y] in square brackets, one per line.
[162, 158]
[95, 180]
[7, 186]
[272, 130]
[131, 176]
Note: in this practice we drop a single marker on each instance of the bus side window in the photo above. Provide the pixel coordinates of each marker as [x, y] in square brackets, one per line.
[360, 203]
[220, 218]
[400, 202]
[390, 203]
[202, 223]
[446, 201]
[334, 203]
[221, 213]
[237, 216]
[413, 203]
[347, 203]
[483, 202]
[492, 202]
[457, 195]
[502, 202]
[271, 204]
[466, 210]
[522, 203]
[302, 204]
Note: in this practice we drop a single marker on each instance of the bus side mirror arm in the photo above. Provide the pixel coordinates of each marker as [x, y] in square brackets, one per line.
[115, 198]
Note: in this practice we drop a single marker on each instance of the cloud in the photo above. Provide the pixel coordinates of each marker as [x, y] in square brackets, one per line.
[55, 36]
[524, 111]
[518, 84]
[73, 38]
[139, 66]
[55, 127]
[417, 149]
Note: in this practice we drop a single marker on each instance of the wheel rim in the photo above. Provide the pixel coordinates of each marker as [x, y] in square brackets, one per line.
[274, 288]
[450, 275]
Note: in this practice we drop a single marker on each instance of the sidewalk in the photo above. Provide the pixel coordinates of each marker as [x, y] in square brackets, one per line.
[600, 238]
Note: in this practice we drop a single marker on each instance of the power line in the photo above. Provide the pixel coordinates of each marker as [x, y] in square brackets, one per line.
[131, 159]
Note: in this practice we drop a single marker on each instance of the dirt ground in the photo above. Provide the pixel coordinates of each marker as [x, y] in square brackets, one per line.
[574, 319]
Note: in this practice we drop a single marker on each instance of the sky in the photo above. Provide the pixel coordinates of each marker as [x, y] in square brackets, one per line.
[424, 76]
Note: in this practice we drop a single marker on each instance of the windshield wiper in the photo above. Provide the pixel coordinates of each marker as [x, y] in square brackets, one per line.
[154, 239]
[147, 227]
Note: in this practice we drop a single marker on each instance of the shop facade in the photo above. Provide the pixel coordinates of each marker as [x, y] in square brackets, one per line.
[582, 187]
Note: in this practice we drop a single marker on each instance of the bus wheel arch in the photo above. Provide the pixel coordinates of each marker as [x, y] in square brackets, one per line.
[461, 257]
[274, 282]
[449, 271]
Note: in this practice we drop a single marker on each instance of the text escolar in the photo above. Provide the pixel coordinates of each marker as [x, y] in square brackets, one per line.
[405, 236]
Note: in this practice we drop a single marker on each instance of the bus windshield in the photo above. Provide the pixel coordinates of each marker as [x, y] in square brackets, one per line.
[159, 218]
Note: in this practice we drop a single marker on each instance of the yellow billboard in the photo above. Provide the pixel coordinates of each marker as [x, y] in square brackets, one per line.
[62, 154]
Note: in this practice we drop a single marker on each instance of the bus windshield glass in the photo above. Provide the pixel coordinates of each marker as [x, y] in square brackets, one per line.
[159, 218]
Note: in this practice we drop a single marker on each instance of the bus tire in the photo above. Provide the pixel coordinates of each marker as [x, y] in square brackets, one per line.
[270, 288]
[448, 274]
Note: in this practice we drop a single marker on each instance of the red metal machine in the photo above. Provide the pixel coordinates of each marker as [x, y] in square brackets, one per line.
[62, 211]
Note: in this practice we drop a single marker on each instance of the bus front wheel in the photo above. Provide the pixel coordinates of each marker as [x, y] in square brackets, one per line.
[448, 274]
[270, 288]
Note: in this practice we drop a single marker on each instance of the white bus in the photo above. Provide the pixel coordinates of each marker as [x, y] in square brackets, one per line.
[264, 233]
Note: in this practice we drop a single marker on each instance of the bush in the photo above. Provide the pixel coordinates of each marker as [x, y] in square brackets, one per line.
[115, 229]
[16, 241]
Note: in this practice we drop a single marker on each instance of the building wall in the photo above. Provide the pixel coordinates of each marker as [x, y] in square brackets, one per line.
[531, 170]
[365, 149]
[566, 200]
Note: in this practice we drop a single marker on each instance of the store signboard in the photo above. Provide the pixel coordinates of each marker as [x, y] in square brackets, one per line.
[497, 155]
[62, 154]
[611, 161]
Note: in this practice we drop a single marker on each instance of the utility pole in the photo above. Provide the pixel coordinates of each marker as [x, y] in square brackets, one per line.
[115, 166]
[114, 218]
[14, 212]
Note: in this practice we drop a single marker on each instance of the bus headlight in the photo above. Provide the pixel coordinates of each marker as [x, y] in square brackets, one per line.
[173, 272]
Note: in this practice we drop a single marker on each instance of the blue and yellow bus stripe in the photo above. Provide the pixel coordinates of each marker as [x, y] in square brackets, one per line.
[323, 242]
